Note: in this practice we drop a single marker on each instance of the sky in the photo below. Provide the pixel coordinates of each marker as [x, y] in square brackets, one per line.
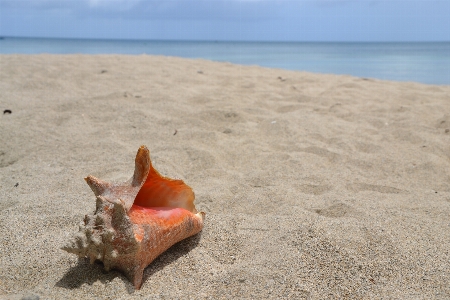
[229, 20]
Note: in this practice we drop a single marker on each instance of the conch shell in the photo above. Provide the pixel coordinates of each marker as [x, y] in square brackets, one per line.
[137, 220]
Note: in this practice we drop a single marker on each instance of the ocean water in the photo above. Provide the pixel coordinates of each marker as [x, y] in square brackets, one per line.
[418, 62]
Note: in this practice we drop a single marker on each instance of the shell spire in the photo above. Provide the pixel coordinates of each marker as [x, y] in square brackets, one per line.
[135, 221]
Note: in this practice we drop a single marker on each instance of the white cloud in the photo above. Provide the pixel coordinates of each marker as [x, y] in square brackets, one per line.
[118, 4]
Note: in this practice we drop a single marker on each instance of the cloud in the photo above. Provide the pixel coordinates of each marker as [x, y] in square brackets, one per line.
[113, 4]
[299, 20]
[40, 4]
[205, 10]
[157, 9]
[183, 9]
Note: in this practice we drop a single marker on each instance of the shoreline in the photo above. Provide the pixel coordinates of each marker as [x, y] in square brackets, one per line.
[416, 62]
[220, 62]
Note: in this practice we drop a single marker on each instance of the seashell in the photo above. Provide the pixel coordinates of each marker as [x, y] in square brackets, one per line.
[137, 220]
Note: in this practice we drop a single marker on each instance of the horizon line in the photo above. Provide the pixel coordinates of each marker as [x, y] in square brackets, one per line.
[2, 37]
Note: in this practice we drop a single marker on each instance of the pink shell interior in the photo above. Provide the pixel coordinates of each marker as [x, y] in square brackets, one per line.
[160, 191]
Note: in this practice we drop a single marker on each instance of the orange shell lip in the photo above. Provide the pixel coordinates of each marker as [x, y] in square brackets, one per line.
[147, 187]
[160, 191]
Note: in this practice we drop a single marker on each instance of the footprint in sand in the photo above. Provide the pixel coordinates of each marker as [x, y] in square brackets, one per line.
[200, 159]
[288, 108]
[224, 117]
[314, 189]
[366, 147]
[338, 210]
[444, 123]
[360, 187]
[245, 281]
[7, 204]
[6, 159]
[332, 156]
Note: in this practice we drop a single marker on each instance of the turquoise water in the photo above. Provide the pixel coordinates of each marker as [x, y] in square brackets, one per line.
[419, 62]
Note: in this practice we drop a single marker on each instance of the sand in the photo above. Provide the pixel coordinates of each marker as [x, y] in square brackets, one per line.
[315, 186]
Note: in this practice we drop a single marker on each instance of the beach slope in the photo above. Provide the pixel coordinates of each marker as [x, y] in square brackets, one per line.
[314, 186]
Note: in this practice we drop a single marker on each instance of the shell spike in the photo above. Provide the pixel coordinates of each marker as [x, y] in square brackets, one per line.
[136, 276]
[97, 186]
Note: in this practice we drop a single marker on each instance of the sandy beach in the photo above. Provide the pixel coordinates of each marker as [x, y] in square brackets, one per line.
[314, 186]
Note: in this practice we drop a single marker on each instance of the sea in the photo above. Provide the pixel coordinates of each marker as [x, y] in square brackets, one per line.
[424, 62]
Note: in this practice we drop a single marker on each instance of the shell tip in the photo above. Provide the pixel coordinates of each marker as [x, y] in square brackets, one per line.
[142, 166]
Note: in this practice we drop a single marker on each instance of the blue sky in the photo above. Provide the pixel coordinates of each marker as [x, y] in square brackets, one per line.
[249, 20]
